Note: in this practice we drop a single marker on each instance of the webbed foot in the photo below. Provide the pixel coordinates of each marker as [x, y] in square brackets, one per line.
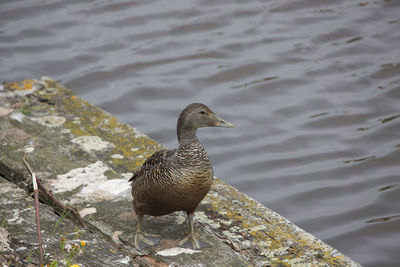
[192, 237]
[140, 235]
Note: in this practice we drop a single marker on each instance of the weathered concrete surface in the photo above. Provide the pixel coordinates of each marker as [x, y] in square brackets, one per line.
[85, 156]
[18, 234]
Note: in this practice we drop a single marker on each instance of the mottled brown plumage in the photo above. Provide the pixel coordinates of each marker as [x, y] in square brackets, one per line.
[178, 179]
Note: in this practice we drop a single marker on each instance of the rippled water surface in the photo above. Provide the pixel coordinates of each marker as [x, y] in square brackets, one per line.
[313, 88]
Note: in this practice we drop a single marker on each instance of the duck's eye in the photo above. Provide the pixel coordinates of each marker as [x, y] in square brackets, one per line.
[202, 112]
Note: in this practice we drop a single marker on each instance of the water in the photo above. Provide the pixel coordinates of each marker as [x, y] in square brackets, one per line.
[313, 88]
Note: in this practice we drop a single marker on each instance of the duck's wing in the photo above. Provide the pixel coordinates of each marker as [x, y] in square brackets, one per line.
[154, 160]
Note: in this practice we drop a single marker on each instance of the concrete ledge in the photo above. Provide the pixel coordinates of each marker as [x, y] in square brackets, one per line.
[85, 157]
[20, 240]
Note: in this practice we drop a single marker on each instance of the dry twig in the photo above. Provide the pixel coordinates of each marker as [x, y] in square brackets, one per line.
[37, 185]
[35, 188]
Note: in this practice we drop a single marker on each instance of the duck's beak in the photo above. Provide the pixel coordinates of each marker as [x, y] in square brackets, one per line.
[220, 122]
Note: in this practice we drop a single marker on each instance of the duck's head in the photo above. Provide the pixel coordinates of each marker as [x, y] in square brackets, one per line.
[198, 115]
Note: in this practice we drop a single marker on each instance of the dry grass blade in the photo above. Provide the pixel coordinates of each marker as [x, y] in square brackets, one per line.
[34, 180]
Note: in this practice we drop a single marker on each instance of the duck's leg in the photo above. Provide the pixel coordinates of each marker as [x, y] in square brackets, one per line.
[140, 235]
[191, 236]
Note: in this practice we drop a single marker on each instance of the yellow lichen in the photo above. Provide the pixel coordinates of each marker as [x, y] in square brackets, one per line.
[23, 85]
[27, 86]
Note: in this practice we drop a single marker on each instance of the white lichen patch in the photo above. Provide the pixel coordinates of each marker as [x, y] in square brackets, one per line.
[266, 253]
[117, 156]
[274, 252]
[25, 92]
[76, 120]
[231, 235]
[90, 142]
[258, 228]
[126, 260]
[335, 253]
[127, 175]
[175, 251]
[51, 121]
[18, 116]
[87, 211]
[18, 217]
[138, 133]
[107, 190]
[80, 176]
[226, 222]
[180, 218]
[118, 130]
[95, 185]
[133, 149]
[246, 244]
[265, 243]
[237, 229]
[202, 217]
[27, 149]
[65, 131]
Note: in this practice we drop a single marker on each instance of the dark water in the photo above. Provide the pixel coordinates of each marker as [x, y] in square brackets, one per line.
[312, 86]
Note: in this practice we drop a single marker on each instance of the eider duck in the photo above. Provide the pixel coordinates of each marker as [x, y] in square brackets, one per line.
[177, 179]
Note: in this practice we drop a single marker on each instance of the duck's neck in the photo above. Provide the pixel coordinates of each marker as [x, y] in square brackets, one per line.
[185, 130]
[186, 135]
